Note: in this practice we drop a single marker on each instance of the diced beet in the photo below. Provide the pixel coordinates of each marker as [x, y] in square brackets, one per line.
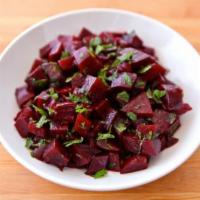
[120, 120]
[87, 63]
[35, 64]
[153, 72]
[148, 50]
[66, 64]
[44, 51]
[108, 145]
[64, 112]
[106, 37]
[81, 154]
[131, 143]
[23, 95]
[93, 146]
[139, 105]
[174, 126]
[94, 87]
[55, 155]
[39, 132]
[102, 108]
[182, 108]
[22, 120]
[84, 33]
[56, 49]
[64, 91]
[124, 81]
[151, 147]
[78, 80]
[134, 163]
[113, 161]
[140, 83]
[124, 67]
[97, 163]
[38, 152]
[82, 125]
[146, 128]
[171, 141]
[131, 40]
[53, 71]
[41, 99]
[58, 129]
[110, 116]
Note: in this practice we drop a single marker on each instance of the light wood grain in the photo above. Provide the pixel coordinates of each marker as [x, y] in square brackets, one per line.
[17, 183]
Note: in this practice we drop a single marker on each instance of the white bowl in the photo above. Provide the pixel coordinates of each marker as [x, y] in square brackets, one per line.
[173, 51]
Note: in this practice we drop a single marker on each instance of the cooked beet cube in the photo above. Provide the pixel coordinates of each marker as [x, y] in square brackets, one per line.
[86, 62]
[94, 87]
[66, 64]
[131, 40]
[153, 72]
[38, 152]
[171, 141]
[182, 108]
[82, 125]
[134, 163]
[53, 71]
[55, 155]
[113, 161]
[110, 116]
[131, 143]
[97, 163]
[151, 147]
[124, 81]
[64, 112]
[102, 108]
[139, 105]
[58, 129]
[146, 128]
[41, 99]
[124, 67]
[108, 145]
[33, 129]
[78, 80]
[148, 50]
[22, 121]
[23, 95]
[81, 154]
[84, 33]
[93, 146]
[35, 64]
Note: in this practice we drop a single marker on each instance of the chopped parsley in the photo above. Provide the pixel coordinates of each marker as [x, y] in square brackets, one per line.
[127, 79]
[144, 69]
[156, 95]
[28, 143]
[77, 99]
[139, 84]
[149, 136]
[132, 116]
[105, 136]
[102, 74]
[125, 57]
[123, 96]
[100, 48]
[65, 54]
[95, 41]
[111, 165]
[53, 94]
[101, 173]
[120, 127]
[39, 110]
[71, 142]
[113, 76]
[43, 120]
[80, 109]
[51, 111]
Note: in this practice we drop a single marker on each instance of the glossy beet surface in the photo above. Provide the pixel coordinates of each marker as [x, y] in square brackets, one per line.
[98, 102]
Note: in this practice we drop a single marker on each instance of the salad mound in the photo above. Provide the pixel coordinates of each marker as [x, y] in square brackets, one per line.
[98, 102]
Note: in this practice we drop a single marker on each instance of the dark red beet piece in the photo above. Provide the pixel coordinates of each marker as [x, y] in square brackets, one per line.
[97, 163]
[151, 147]
[139, 105]
[84, 33]
[131, 143]
[171, 141]
[23, 95]
[110, 116]
[124, 81]
[146, 128]
[113, 161]
[55, 155]
[38, 152]
[108, 145]
[35, 64]
[66, 64]
[102, 108]
[124, 67]
[134, 163]
[87, 63]
[22, 120]
[56, 49]
[64, 112]
[81, 154]
[39, 132]
[78, 80]
[58, 129]
[41, 99]
[94, 87]
[82, 125]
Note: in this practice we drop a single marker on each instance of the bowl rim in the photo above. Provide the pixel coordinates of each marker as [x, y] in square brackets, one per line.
[76, 185]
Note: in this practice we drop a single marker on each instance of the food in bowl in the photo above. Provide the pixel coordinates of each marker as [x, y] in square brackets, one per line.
[100, 102]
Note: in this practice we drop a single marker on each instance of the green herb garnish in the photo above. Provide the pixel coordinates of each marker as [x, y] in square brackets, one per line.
[132, 116]
[105, 136]
[149, 136]
[43, 120]
[100, 48]
[51, 111]
[112, 77]
[39, 110]
[127, 79]
[156, 95]
[144, 69]
[53, 94]
[80, 109]
[77, 99]
[95, 41]
[120, 127]
[71, 142]
[65, 54]
[123, 96]
[28, 143]
[101, 173]
[139, 84]
[111, 165]
[102, 74]
[125, 57]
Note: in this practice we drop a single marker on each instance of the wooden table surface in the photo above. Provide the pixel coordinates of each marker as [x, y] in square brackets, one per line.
[17, 183]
